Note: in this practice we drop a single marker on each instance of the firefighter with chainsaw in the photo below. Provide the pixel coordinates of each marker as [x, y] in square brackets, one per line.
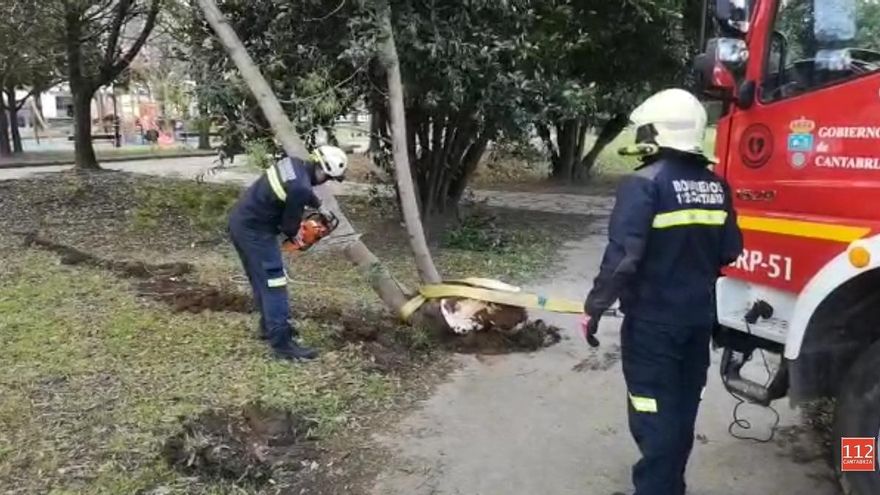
[671, 231]
[276, 204]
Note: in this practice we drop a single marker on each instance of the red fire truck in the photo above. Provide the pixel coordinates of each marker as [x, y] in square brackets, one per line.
[799, 143]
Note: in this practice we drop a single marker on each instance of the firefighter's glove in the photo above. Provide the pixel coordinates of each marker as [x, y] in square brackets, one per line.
[589, 329]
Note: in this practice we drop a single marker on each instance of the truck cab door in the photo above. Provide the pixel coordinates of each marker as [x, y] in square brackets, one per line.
[803, 156]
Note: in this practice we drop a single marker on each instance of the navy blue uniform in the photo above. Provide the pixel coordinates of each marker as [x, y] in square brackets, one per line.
[272, 205]
[672, 229]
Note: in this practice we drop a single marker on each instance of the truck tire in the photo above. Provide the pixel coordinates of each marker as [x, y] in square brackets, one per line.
[857, 414]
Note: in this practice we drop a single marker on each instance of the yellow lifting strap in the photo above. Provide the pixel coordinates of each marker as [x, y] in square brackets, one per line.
[488, 290]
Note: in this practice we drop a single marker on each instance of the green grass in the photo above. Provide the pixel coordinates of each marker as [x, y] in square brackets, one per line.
[94, 378]
[204, 207]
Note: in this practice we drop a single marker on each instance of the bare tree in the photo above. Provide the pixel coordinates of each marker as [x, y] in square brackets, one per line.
[29, 57]
[95, 32]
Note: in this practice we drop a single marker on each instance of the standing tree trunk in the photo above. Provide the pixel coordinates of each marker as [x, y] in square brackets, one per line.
[569, 145]
[99, 107]
[204, 133]
[545, 134]
[39, 119]
[85, 79]
[392, 293]
[203, 122]
[375, 133]
[12, 106]
[82, 95]
[5, 148]
[413, 220]
[82, 131]
[606, 136]
[446, 147]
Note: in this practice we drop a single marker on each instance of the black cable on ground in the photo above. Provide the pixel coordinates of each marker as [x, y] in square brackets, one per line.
[744, 424]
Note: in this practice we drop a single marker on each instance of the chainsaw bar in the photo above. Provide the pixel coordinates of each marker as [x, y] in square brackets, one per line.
[334, 241]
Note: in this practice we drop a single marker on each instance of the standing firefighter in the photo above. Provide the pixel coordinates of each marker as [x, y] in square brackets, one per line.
[672, 229]
[275, 204]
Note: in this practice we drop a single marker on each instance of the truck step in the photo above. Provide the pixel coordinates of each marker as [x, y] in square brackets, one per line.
[732, 362]
[775, 329]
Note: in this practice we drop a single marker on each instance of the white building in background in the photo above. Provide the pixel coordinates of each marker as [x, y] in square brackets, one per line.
[57, 107]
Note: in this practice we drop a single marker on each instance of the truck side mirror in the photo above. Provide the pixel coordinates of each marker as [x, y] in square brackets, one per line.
[733, 14]
[721, 66]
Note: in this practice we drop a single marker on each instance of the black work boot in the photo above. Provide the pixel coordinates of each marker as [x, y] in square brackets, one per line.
[294, 352]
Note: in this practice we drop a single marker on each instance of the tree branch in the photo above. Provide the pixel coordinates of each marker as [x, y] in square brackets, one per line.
[113, 71]
[331, 14]
[20, 103]
[115, 30]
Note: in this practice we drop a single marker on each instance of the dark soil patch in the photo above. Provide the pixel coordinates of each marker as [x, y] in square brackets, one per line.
[253, 445]
[185, 296]
[378, 335]
[162, 282]
[818, 416]
[599, 362]
[133, 269]
[389, 341]
[530, 337]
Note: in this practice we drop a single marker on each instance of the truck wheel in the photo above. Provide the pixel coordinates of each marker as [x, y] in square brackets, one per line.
[858, 415]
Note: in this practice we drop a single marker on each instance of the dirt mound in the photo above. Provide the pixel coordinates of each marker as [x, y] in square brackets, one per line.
[162, 282]
[185, 296]
[378, 335]
[532, 336]
[384, 333]
[250, 445]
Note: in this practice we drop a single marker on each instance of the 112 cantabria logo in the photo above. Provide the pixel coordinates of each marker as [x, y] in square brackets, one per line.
[858, 454]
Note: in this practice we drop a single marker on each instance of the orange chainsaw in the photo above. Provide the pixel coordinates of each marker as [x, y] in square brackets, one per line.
[312, 229]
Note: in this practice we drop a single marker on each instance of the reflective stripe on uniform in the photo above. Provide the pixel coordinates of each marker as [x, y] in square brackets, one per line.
[316, 157]
[276, 183]
[689, 217]
[278, 282]
[643, 404]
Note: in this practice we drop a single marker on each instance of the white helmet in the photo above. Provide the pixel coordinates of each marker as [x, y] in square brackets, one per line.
[333, 161]
[677, 119]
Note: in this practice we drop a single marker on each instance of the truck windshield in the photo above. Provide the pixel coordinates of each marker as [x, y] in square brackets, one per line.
[817, 43]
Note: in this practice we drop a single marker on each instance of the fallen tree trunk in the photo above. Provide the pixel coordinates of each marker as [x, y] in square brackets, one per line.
[390, 291]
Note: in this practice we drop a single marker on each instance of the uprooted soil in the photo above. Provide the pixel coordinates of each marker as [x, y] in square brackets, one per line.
[382, 329]
[254, 445]
[162, 282]
[529, 337]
